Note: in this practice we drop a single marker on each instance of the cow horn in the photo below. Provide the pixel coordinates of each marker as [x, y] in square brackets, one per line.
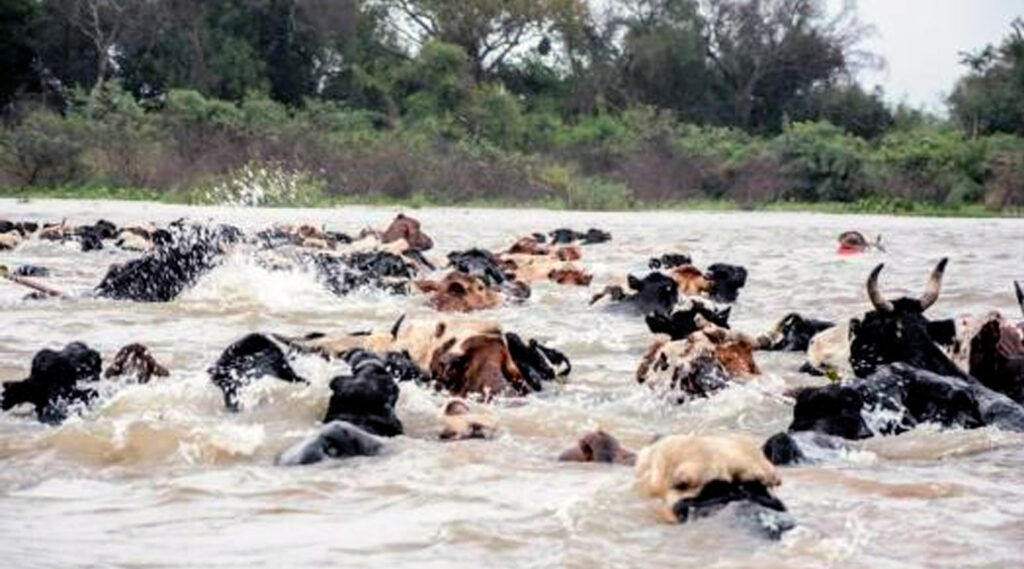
[1020, 296]
[396, 326]
[931, 290]
[877, 300]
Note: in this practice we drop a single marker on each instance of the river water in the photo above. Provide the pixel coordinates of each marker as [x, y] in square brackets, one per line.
[160, 475]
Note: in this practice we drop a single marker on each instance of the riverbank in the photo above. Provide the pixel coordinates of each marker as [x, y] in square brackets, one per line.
[871, 206]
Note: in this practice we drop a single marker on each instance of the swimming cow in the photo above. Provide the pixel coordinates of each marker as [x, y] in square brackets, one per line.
[696, 476]
[55, 382]
[903, 377]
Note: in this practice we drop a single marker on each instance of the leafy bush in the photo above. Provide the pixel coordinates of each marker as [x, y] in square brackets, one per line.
[45, 150]
[824, 162]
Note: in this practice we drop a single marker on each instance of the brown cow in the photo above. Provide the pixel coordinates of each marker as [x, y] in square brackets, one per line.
[598, 446]
[407, 228]
[458, 422]
[135, 360]
[459, 292]
[700, 364]
[462, 357]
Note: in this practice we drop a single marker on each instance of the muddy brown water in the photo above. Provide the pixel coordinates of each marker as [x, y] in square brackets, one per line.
[161, 476]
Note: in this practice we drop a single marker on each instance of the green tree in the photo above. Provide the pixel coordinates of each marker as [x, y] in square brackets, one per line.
[990, 98]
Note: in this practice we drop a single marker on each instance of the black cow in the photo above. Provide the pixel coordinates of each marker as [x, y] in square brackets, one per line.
[794, 332]
[252, 357]
[726, 281]
[897, 331]
[479, 263]
[682, 323]
[162, 275]
[366, 398]
[898, 397]
[535, 361]
[336, 439]
[656, 293]
[371, 269]
[53, 384]
[591, 237]
[669, 260]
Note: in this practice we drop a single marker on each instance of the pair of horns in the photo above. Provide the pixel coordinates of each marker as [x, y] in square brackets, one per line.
[931, 290]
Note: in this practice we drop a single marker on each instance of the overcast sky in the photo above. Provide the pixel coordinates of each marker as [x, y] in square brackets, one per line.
[920, 40]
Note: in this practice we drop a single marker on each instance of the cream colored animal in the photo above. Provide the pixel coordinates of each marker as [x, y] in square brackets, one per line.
[830, 349]
[420, 338]
[679, 466]
[10, 240]
[459, 422]
[133, 240]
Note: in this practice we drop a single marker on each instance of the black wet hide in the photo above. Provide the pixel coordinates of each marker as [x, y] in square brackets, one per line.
[160, 276]
[753, 497]
[335, 440]
[897, 398]
[833, 410]
[402, 368]
[250, 358]
[669, 260]
[536, 362]
[726, 281]
[52, 385]
[701, 379]
[25, 228]
[372, 269]
[366, 397]
[32, 271]
[656, 293]
[479, 263]
[903, 335]
[682, 323]
[566, 236]
[794, 332]
[781, 449]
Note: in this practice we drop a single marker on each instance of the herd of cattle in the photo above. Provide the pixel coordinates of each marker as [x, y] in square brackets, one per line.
[889, 369]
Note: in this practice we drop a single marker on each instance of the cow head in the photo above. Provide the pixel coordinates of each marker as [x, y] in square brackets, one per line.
[459, 292]
[598, 446]
[691, 281]
[697, 476]
[997, 357]
[135, 360]
[479, 364]
[682, 323]
[794, 333]
[479, 263]
[458, 422]
[833, 410]
[576, 277]
[656, 293]
[726, 281]
[897, 331]
[528, 246]
[407, 228]
[700, 364]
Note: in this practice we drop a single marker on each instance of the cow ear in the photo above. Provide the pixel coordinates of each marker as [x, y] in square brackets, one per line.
[634, 283]
[457, 289]
[587, 450]
[426, 286]
[854, 326]
[439, 330]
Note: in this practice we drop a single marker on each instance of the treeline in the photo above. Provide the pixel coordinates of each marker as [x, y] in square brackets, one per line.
[650, 101]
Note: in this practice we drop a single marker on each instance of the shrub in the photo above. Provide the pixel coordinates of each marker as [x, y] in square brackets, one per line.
[45, 149]
[824, 163]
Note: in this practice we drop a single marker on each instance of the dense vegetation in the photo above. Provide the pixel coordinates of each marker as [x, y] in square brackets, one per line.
[555, 102]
